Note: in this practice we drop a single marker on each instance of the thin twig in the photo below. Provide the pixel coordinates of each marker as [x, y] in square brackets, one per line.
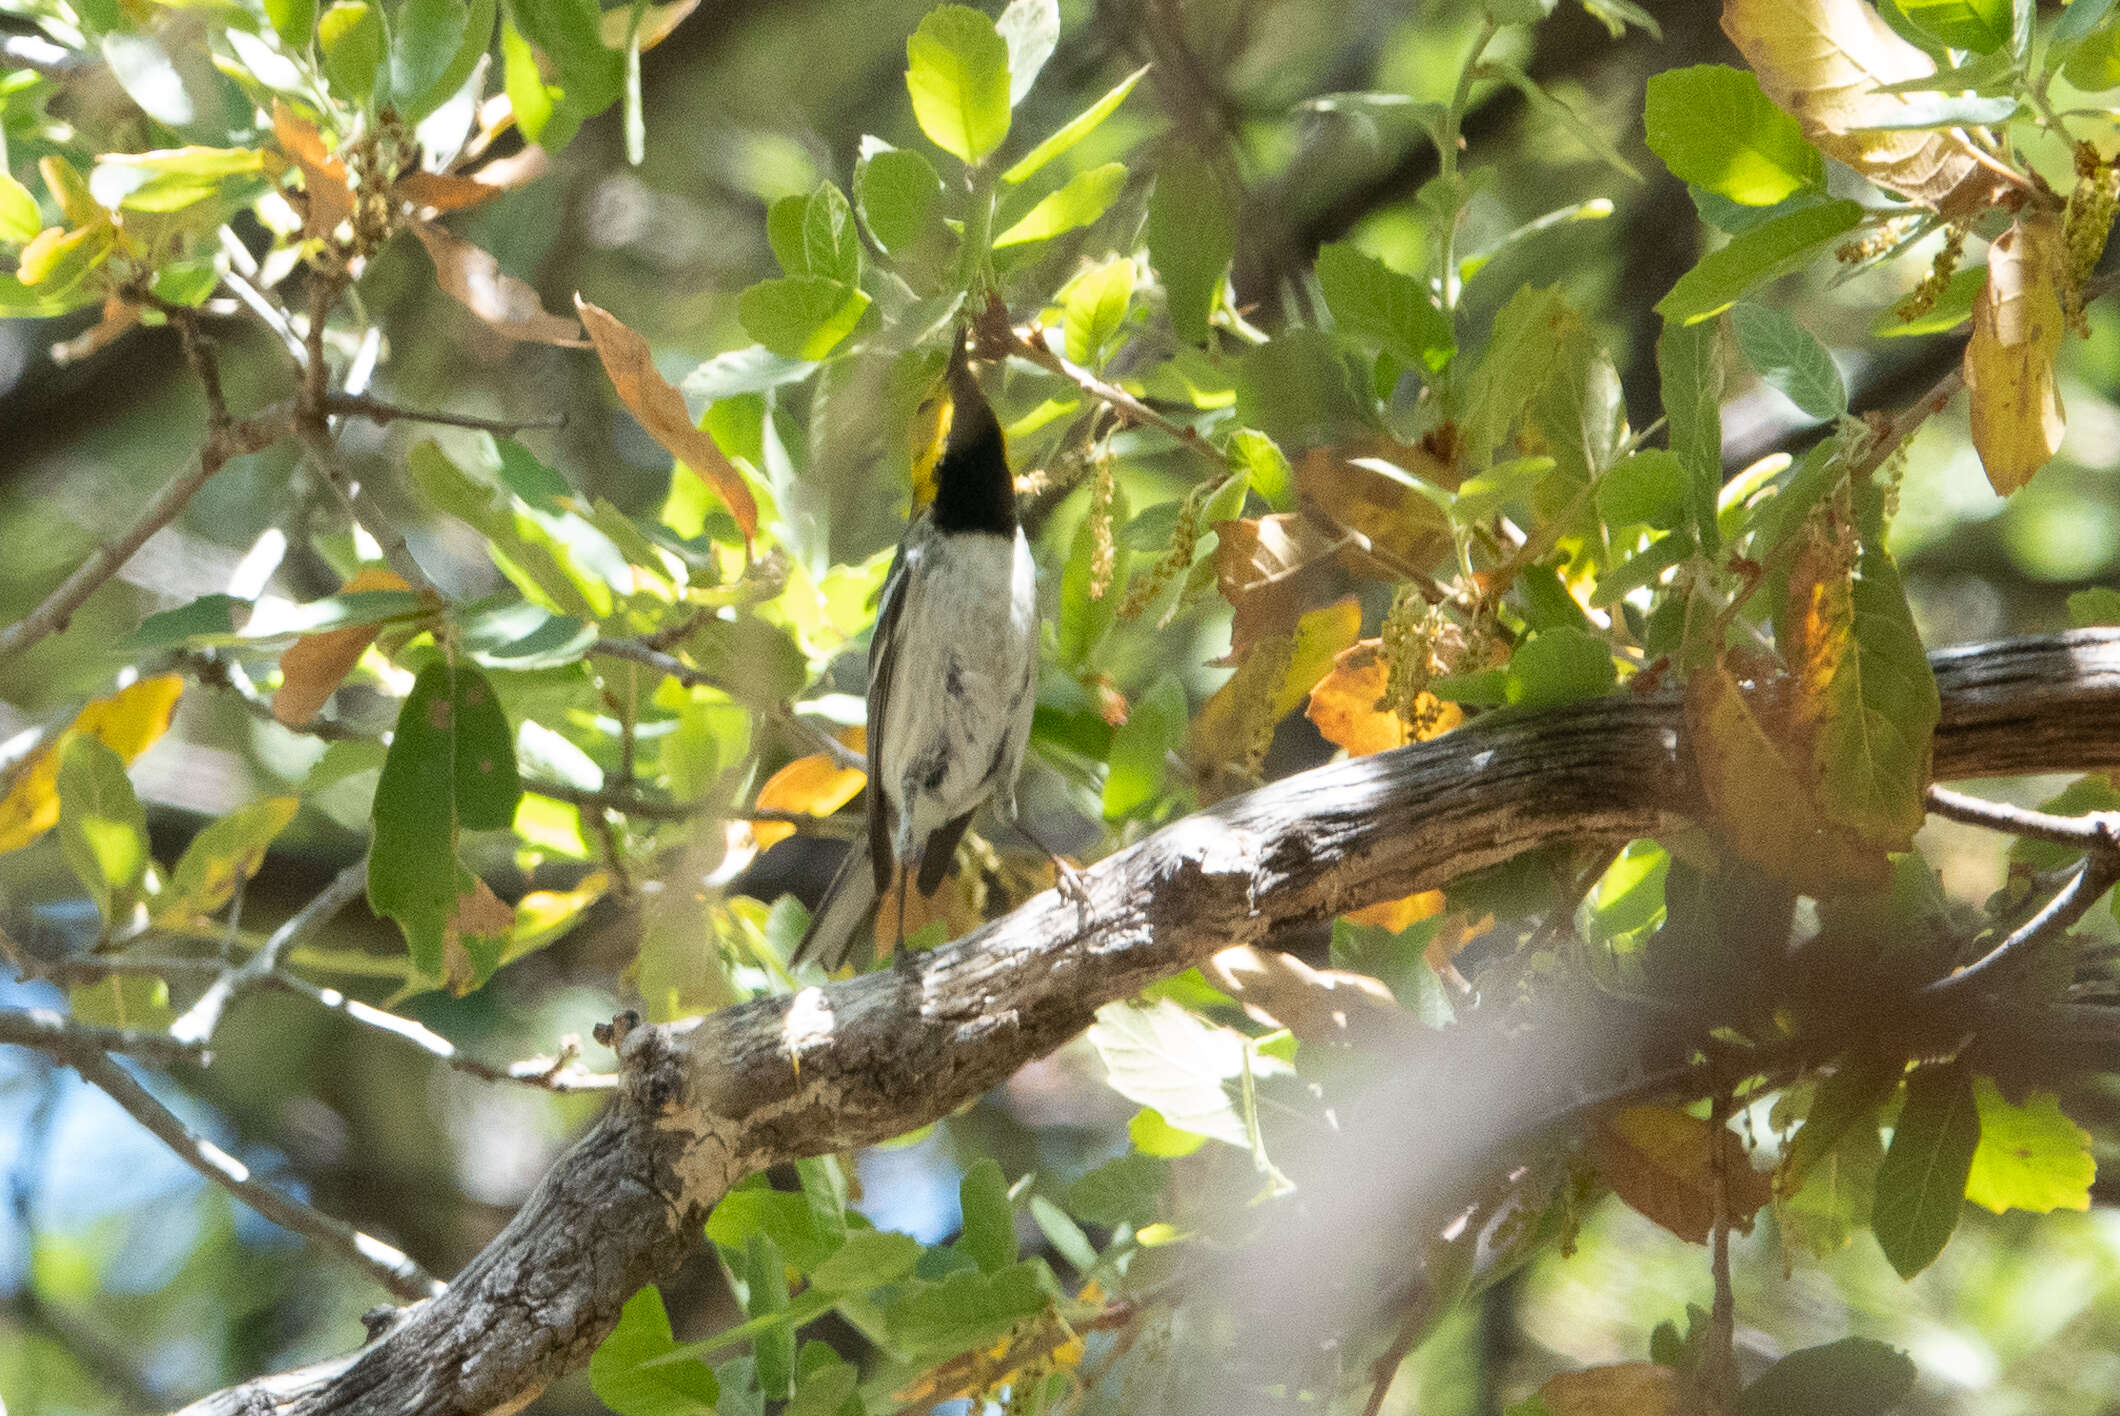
[377, 411]
[212, 671]
[559, 1073]
[1718, 1365]
[690, 677]
[999, 336]
[2099, 873]
[199, 1021]
[53, 615]
[388, 1266]
[68, 1039]
[2098, 831]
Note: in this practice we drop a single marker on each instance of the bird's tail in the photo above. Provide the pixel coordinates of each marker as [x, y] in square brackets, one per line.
[842, 924]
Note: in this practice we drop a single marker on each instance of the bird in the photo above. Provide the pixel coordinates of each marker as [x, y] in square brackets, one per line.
[952, 679]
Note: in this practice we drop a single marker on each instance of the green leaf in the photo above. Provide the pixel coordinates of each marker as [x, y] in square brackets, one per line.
[1952, 308]
[801, 317]
[932, 1322]
[1724, 277]
[2098, 605]
[2031, 1157]
[1557, 666]
[1788, 358]
[175, 84]
[957, 71]
[351, 37]
[222, 857]
[1646, 488]
[434, 47]
[451, 768]
[1856, 1376]
[19, 220]
[897, 191]
[1715, 128]
[175, 178]
[2078, 20]
[189, 281]
[826, 1386]
[1262, 461]
[831, 246]
[1397, 959]
[1141, 746]
[1982, 26]
[210, 617]
[1087, 196]
[1162, 1056]
[868, 1259]
[295, 21]
[1093, 307]
[1085, 619]
[1921, 1184]
[1152, 1135]
[1589, 134]
[1873, 743]
[58, 267]
[989, 1233]
[621, 1381]
[1074, 130]
[1191, 238]
[1030, 28]
[1689, 362]
[1128, 1191]
[535, 103]
[786, 1217]
[766, 1276]
[102, 829]
[1369, 298]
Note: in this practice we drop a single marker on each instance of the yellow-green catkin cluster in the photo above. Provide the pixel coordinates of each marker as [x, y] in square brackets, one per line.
[1103, 553]
[2086, 222]
[1413, 634]
[1261, 674]
[1889, 479]
[1924, 296]
[1176, 559]
[1876, 242]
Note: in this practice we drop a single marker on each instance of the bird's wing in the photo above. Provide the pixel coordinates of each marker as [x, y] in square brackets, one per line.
[841, 924]
[883, 666]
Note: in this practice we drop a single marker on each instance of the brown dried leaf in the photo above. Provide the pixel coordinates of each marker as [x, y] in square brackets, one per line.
[442, 191]
[118, 317]
[313, 667]
[1658, 1159]
[1317, 1005]
[1625, 1389]
[1271, 569]
[324, 179]
[661, 410]
[1405, 531]
[656, 22]
[506, 304]
[2009, 363]
[1823, 61]
[479, 914]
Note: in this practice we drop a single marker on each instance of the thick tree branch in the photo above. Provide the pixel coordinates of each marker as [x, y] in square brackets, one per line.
[708, 1100]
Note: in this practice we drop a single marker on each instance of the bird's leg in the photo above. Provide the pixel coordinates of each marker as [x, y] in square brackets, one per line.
[1066, 878]
[899, 957]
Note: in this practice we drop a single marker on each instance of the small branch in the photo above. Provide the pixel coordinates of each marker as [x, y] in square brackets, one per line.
[57, 610]
[199, 1021]
[1718, 1365]
[996, 336]
[657, 809]
[559, 1073]
[2098, 874]
[324, 455]
[2098, 831]
[377, 411]
[386, 1265]
[205, 364]
[212, 671]
[68, 1039]
[670, 664]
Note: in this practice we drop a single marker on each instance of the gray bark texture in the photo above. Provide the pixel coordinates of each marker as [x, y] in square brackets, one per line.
[707, 1101]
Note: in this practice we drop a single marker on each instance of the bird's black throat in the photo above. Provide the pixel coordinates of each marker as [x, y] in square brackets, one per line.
[974, 490]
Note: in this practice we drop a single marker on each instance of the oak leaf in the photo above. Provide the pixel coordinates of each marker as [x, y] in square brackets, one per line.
[2009, 363]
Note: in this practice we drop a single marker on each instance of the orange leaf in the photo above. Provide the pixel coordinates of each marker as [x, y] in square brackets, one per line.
[506, 304]
[1658, 1159]
[1345, 703]
[2009, 362]
[324, 178]
[442, 191]
[1624, 1389]
[1402, 913]
[816, 784]
[313, 667]
[661, 410]
[128, 723]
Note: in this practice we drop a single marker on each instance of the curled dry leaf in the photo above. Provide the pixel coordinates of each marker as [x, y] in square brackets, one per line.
[314, 666]
[506, 304]
[443, 191]
[1658, 1159]
[661, 410]
[1823, 61]
[2009, 363]
[325, 184]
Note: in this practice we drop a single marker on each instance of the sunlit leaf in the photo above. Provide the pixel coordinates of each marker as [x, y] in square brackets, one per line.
[2009, 364]
[1713, 127]
[957, 71]
[2030, 1157]
[315, 665]
[128, 722]
[1921, 1184]
[221, 857]
[623, 1378]
[1086, 197]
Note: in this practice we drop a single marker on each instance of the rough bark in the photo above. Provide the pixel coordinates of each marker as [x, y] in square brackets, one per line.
[709, 1100]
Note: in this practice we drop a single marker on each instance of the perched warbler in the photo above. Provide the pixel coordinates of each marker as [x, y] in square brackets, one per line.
[952, 678]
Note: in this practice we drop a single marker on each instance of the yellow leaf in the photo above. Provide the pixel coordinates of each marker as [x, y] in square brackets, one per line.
[1823, 61]
[315, 665]
[1402, 913]
[1625, 1389]
[816, 784]
[1658, 1159]
[1347, 705]
[128, 723]
[2009, 362]
[661, 410]
[1277, 674]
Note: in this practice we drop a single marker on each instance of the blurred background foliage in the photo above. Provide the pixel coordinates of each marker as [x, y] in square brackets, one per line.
[130, 1285]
